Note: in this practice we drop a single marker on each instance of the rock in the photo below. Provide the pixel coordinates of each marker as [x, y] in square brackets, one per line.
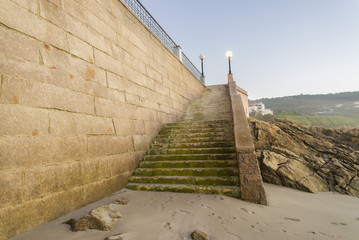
[121, 201]
[199, 235]
[115, 237]
[312, 159]
[102, 218]
[70, 222]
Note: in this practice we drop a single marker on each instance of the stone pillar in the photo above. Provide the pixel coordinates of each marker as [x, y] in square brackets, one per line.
[178, 52]
[230, 78]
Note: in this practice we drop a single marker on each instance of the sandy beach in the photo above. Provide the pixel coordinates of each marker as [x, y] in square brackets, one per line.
[291, 214]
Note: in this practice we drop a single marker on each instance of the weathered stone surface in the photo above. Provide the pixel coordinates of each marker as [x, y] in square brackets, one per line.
[121, 201]
[199, 235]
[10, 187]
[114, 237]
[102, 218]
[308, 158]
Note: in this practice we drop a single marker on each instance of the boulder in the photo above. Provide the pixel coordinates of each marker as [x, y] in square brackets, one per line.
[311, 159]
[102, 218]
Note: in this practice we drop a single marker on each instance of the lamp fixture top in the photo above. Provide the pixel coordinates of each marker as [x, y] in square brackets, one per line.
[202, 56]
[229, 54]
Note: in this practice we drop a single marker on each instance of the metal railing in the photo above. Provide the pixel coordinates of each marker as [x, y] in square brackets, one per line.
[155, 27]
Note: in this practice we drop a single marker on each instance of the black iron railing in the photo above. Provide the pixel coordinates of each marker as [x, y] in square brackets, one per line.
[155, 27]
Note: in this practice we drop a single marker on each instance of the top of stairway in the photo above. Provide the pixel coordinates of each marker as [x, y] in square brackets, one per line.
[213, 105]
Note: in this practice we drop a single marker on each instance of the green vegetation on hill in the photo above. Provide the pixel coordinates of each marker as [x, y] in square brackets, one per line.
[327, 110]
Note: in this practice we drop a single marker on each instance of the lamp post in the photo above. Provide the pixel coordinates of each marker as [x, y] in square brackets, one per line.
[229, 54]
[202, 57]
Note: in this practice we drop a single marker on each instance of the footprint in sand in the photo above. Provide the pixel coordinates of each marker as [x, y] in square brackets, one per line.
[336, 223]
[357, 219]
[246, 211]
[292, 219]
[283, 231]
[167, 225]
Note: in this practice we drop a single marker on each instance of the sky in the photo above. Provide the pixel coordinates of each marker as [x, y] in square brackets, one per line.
[280, 47]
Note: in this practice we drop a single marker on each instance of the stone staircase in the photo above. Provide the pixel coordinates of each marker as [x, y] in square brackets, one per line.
[196, 155]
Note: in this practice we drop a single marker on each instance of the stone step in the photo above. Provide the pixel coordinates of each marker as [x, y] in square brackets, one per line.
[197, 135]
[208, 181]
[190, 151]
[194, 145]
[195, 130]
[200, 124]
[189, 164]
[232, 191]
[229, 171]
[225, 139]
[182, 157]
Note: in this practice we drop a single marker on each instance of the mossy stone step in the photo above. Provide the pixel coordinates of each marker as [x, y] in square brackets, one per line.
[160, 140]
[188, 164]
[193, 180]
[230, 135]
[229, 171]
[197, 126]
[194, 145]
[190, 151]
[194, 130]
[200, 122]
[232, 191]
[166, 157]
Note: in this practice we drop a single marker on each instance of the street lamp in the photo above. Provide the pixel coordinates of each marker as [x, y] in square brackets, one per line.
[229, 55]
[202, 57]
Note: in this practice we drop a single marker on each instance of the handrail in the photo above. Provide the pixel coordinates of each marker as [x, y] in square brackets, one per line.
[141, 12]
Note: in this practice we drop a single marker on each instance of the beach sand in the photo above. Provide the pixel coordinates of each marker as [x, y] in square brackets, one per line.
[291, 214]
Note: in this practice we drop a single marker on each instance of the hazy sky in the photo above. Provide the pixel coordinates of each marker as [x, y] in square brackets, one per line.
[280, 47]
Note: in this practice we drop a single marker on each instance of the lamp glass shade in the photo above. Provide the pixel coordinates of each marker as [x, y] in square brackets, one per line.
[202, 56]
[229, 54]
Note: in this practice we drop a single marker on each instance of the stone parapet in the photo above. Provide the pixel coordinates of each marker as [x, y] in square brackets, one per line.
[250, 178]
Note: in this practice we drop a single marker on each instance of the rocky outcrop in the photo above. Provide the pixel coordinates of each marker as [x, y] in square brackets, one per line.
[199, 235]
[307, 158]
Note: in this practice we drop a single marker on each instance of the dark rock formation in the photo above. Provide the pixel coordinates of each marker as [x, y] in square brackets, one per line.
[307, 158]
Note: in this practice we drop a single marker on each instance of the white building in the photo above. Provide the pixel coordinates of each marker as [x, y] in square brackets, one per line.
[259, 108]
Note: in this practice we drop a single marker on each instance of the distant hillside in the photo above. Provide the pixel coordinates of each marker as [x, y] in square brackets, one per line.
[330, 110]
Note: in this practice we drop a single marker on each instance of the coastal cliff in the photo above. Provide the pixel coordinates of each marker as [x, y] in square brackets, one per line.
[312, 159]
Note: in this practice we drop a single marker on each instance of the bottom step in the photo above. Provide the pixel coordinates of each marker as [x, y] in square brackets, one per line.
[231, 191]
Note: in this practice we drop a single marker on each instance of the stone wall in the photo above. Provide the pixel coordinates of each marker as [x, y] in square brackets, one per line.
[244, 95]
[250, 178]
[85, 88]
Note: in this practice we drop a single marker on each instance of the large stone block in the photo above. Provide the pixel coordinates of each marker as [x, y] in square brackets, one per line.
[108, 63]
[21, 218]
[108, 145]
[116, 95]
[80, 12]
[80, 48]
[142, 142]
[98, 190]
[13, 152]
[24, 21]
[121, 54]
[36, 94]
[58, 59]
[20, 120]
[42, 181]
[123, 163]
[74, 24]
[60, 203]
[64, 123]
[146, 114]
[10, 187]
[109, 108]
[96, 89]
[125, 127]
[95, 169]
[152, 128]
[56, 149]
[20, 45]
[28, 4]
[34, 71]
[94, 7]
[122, 84]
